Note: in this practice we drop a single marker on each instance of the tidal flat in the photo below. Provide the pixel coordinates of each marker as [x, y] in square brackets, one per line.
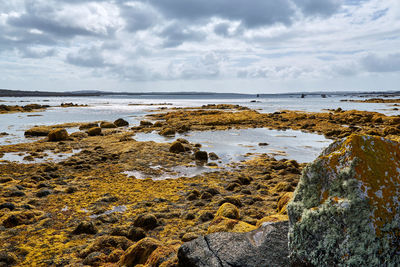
[87, 196]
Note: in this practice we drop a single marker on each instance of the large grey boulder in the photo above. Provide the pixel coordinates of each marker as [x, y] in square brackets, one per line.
[266, 246]
[346, 208]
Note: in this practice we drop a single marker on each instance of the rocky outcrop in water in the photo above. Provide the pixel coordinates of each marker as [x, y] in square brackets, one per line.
[266, 246]
[345, 210]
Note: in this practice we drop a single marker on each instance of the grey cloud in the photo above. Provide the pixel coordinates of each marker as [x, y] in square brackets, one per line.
[139, 17]
[35, 53]
[87, 57]
[252, 13]
[318, 7]
[375, 63]
[175, 35]
[222, 29]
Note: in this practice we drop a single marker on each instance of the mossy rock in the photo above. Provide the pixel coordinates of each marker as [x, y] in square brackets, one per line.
[272, 219]
[139, 252]
[88, 125]
[167, 131]
[94, 131]
[121, 123]
[58, 135]
[176, 147]
[345, 210]
[223, 224]
[228, 210]
[283, 202]
[37, 131]
[107, 125]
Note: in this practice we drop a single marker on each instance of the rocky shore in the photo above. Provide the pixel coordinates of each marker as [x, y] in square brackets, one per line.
[85, 209]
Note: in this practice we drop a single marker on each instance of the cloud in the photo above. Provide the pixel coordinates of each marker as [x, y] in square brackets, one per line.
[175, 35]
[318, 7]
[139, 16]
[377, 63]
[87, 57]
[37, 53]
[91, 19]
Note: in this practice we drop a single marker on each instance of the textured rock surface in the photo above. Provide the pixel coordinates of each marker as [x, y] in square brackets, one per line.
[58, 135]
[345, 210]
[266, 246]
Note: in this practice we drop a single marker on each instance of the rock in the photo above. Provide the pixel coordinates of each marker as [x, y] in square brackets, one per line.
[85, 228]
[345, 209]
[136, 233]
[139, 252]
[78, 135]
[205, 216]
[146, 221]
[94, 258]
[158, 124]
[94, 131]
[176, 147]
[189, 237]
[89, 125]
[107, 124]
[213, 156]
[163, 256]
[121, 122]
[37, 131]
[7, 205]
[228, 210]
[167, 131]
[283, 201]
[271, 219]
[201, 155]
[266, 246]
[7, 259]
[19, 218]
[223, 224]
[43, 192]
[58, 135]
[263, 144]
[146, 123]
[106, 244]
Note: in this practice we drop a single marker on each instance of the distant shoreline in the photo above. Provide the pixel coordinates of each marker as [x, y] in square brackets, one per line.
[22, 93]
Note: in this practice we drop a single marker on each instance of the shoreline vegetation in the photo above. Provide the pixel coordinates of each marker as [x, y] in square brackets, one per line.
[84, 210]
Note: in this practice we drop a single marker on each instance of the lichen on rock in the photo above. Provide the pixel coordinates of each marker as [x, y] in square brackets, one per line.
[345, 210]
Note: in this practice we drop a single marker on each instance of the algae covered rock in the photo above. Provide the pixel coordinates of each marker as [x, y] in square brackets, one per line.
[94, 131]
[107, 124]
[58, 135]
[121, 122]
[139, 252]
[223, 224]
[228, 210]
[37, 131]
[176, 147]
[167, 131]
[345, 210]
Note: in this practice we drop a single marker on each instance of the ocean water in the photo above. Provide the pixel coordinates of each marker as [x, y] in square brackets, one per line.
[134, 108]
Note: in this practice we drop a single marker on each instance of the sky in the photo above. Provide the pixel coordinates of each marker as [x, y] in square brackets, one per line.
[242, 46]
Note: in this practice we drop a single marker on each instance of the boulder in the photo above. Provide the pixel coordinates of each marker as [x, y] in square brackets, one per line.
[139, 252]
[58, 135]
[345, 210]
[121, 123]
[94, 131]
[201, 155]
[146, 221]
[176, 147]
[167, 131]
[266, 246]
[37, 131]
[107, 124]
[228, 210]
[88, 125]
[223, 224]
[85, 228]
[146, 123]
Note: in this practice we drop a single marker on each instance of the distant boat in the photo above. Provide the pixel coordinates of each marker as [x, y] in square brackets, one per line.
[323, 95]
[258, 95]
[303, 95]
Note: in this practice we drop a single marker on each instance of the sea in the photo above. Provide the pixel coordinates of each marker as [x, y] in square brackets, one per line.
[233, 144]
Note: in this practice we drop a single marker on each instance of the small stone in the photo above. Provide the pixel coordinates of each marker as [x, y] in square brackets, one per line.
[121, 122]
[85, 228]
[213, 156]
[263, 144]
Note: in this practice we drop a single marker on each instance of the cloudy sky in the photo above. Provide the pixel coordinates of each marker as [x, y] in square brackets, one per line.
[249, 46]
